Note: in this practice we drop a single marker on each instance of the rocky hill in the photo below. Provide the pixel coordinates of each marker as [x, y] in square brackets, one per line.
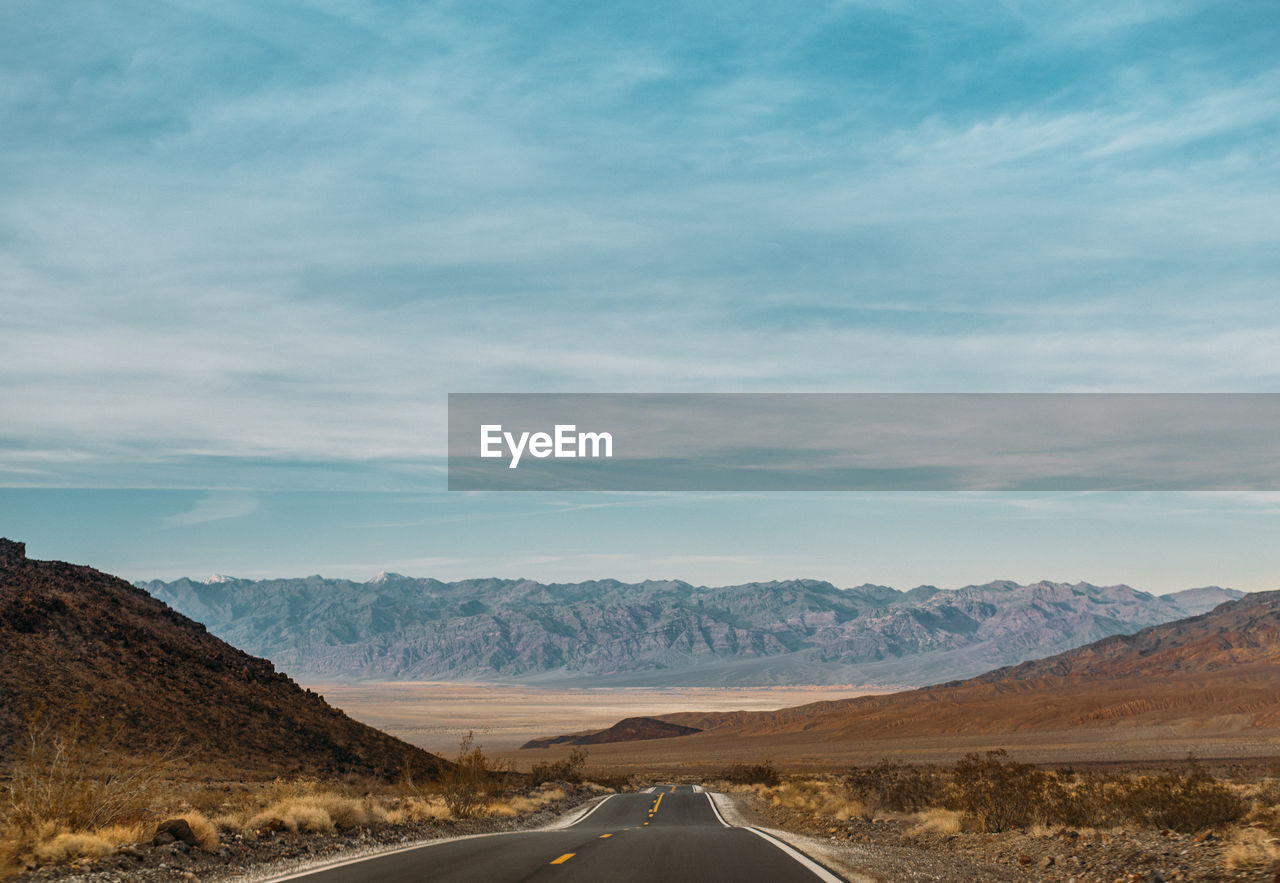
[1210, 675]
[667, 633]
[629, 729]
[80, 644]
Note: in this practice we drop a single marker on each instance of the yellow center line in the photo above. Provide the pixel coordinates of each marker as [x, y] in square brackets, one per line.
[564, 858]
[602, 836]
[658, 802]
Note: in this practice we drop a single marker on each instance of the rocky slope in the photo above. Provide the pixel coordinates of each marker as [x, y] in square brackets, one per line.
[83, 645]
[665, 633]
[1217, 673]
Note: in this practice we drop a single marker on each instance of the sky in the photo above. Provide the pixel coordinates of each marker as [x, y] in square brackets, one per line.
[247, 249]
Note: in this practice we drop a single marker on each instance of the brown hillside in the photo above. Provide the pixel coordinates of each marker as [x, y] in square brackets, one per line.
[1225, 662]
[1210, 675]
[1238, 633]
[80, 643]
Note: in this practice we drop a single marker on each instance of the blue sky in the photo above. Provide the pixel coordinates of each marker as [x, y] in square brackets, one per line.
[246, 249]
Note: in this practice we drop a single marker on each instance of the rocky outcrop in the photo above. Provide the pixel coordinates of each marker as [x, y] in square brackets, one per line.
[12, 554]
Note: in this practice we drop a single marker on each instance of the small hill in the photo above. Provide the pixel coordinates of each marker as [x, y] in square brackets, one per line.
[630, 729]
[81, 644]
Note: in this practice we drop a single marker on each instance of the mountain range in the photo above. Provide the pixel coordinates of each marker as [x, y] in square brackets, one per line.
[663, 633]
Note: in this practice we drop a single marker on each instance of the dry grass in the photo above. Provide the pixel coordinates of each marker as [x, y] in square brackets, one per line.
[817, 796]
[1251, 849]
[48, 844]
[308, 806]
[205, 830]
[73, 792]
[517, 805]
[940, 821]
[79, 779]
[303, 806]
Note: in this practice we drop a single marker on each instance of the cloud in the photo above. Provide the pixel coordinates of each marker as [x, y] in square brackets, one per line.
[215, 507]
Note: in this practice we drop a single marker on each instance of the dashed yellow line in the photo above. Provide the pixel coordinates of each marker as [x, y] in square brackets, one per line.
[602, 836]
[564, 858]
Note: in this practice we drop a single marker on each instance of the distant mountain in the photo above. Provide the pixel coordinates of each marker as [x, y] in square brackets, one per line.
[82, 644]
[1197, 601]
[1209, 675]
[667, 633]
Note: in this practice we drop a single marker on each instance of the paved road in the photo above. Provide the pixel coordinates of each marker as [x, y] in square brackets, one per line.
[671, 834]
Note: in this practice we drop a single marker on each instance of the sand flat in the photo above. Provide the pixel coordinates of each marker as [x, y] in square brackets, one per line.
[435, 714]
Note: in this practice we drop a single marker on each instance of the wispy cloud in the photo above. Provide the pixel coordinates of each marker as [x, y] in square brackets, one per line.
[215, 507]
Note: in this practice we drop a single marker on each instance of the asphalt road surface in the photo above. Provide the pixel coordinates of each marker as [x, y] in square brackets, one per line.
[672, 833]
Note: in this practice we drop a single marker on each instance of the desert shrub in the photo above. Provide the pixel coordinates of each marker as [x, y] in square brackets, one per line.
[616, 783]
[1081, 800]
[820, 797]
[310, 806]
[753, 774]
[79, 778]
[568, 769]
[998, 793]
[549, 793]
[893, 786]
[466, 782]
[416, 809]
[300, 814]
[1184, 800]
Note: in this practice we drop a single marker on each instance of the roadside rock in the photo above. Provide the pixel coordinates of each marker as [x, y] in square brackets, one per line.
[175, 829]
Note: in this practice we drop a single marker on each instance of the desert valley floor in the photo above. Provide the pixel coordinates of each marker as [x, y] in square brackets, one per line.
[435, 715]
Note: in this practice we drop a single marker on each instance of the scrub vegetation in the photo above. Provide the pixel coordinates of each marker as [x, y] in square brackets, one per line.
[70, 795]
[993, 794]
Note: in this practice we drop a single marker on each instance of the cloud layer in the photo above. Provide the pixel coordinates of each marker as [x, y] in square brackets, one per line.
[240, 244]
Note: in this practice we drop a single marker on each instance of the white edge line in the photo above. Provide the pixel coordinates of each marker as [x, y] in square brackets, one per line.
[578, 821]
[342, 863]
[715, 809]
[427, 844]
[818, 870]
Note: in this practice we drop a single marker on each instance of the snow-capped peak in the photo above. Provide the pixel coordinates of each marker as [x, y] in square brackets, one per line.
[384, 575]
[218, 578]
